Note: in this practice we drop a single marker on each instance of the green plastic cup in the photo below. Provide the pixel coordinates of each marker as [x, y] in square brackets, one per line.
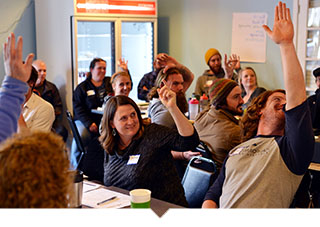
[140, 198]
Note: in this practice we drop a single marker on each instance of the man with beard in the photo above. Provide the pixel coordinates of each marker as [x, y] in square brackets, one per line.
[213, 60]
[147, 81]
[178, 78]
[278, 143]
[217, 125]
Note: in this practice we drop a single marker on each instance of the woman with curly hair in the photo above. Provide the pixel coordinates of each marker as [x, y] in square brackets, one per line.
[34, 172]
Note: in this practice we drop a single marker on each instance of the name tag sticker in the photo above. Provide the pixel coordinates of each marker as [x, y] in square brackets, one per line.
[133, 159]
[90, 92]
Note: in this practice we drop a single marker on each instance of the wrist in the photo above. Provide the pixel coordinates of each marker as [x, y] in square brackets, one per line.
[183, 157]
[286, 45]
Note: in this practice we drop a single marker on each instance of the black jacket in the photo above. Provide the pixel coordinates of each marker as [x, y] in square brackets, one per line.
[85, 98]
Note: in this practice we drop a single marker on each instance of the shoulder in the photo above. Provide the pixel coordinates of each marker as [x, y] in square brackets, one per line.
[50, 84]
[260, 90]
[40, 104]
[156, 105]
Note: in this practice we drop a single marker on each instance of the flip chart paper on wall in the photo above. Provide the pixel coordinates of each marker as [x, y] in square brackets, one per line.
[248, 36]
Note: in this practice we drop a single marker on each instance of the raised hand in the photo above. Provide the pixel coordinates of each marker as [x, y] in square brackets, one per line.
[167, 61]
[231, 64]
[282, 32]
[167, 96]
[123, 64]
[13, 64]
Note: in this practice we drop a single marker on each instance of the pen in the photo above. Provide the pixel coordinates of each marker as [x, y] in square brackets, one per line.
[107, 200]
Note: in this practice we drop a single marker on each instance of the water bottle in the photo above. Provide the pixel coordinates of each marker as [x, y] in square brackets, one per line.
[203, 102]
[193, 108]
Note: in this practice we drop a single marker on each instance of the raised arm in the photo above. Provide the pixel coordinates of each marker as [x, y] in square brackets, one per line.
[14, 86]
[171, 62]
[13, 64]
[168, 98]
[282, 34]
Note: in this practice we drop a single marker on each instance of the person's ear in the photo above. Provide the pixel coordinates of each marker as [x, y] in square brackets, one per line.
[111, 124]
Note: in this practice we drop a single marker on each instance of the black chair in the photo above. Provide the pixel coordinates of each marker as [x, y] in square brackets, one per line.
[92, 155]
[77, 138]
[198, 177]
[204, 150]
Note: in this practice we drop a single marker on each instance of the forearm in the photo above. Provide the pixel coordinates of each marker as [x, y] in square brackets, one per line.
[183, 125]
[188, 76]
[11, 98]
[177, 155]
[293, 76]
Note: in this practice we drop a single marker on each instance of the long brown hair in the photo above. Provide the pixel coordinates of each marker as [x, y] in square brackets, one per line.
[240, 78]
[250, 120]
[107, 140]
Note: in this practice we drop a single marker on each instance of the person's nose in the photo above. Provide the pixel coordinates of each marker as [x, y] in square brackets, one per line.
[241, 100]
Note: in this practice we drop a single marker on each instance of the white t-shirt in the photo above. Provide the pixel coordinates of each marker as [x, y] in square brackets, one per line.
[38, 114]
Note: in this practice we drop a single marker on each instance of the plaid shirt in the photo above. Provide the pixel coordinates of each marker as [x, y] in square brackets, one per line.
[147, 81]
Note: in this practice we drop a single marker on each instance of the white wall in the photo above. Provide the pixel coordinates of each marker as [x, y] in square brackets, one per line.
[187, 28]
[17, 16]
[54, 43]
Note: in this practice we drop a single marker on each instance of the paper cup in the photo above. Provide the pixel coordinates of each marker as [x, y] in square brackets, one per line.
[140, 198]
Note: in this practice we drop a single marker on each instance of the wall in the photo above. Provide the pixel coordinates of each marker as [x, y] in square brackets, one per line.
[187, 28]
[54, 43]
[17, 16]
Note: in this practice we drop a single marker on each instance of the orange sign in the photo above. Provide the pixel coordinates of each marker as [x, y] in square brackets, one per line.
[116, 7]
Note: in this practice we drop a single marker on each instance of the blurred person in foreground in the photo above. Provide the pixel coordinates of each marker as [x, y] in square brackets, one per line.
[34, 172]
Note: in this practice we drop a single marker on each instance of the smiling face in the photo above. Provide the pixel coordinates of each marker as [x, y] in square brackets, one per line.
[99, 71]
[248, 78]
[273, 111]
[235, 101]
[121, 85]
[126, 122]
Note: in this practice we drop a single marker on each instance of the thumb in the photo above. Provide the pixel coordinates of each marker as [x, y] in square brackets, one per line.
[29, 59]
[267, 30]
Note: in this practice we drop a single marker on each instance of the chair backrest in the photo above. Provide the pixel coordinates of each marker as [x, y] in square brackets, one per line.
[204, 150]
[197, 179]
[77, 137]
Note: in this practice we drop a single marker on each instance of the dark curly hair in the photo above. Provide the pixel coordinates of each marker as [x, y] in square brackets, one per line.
[34, 172]
[250, 120]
